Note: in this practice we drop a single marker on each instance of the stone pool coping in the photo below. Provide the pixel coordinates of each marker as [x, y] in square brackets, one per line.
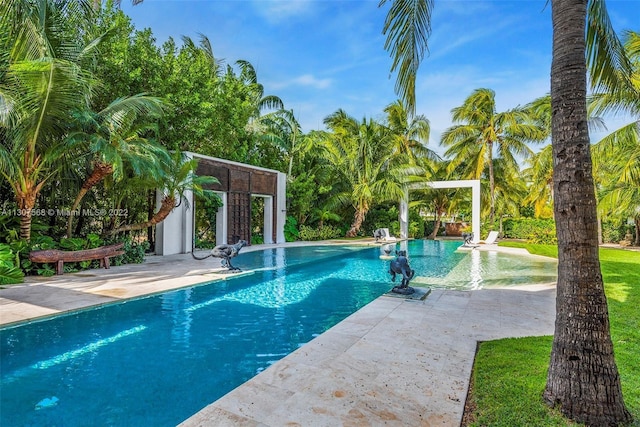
[393, 362]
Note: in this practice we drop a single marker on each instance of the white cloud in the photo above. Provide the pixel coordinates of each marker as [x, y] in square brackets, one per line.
[309, 80]
[277, 11]
[305, 80]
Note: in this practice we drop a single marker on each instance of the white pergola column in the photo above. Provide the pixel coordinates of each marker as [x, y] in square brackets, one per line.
[281, 207]
[174, 235]
[475, 210]
[222, 220]
[403, 215]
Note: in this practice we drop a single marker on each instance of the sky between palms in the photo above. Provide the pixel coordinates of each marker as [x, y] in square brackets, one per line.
[321, 55]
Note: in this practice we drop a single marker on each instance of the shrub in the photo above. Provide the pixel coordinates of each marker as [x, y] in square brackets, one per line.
[10, 272]
[290, 229]
[613, 232]
[321, 233]
[541, 231]
[133, 253]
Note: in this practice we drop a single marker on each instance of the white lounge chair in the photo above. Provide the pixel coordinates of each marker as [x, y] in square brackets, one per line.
[491, 238]
[383, 235]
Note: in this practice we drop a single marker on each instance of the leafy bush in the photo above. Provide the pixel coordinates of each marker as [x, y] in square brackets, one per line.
[291, 229]
[381, 217]
[133, 253]
[613, 232]
[10, 272]
[321, 233]
[541, 231]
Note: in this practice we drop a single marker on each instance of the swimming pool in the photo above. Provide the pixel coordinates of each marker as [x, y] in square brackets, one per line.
[158, 360]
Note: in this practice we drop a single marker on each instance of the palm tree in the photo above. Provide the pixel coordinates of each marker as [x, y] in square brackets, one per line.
[115, 135]
[44, 82]
[619, 151]
[583, 379]
[410, 137]
[585, 387]
[510, 191]
[259, 101]
[283, 130]
[620, 192]
[539, 174]
[361, 154]
[483, 130]
[179, 177]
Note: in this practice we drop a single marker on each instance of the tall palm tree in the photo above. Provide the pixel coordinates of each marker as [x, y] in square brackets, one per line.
[539, 174]
[481, 130]
[43, 83]
[259, 101]
[115, 135]
[583, 379]
[178, 177]
[619, 194]
[409, 136]
[283, 130]
[510, 191]
[361, 154]
[620, 150]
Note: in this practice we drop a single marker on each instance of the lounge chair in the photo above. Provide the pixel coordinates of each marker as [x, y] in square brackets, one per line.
[491, 238]
[382, 235]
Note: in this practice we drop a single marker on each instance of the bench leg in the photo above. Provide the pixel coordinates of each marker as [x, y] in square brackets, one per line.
[104, 262]
[60, 267]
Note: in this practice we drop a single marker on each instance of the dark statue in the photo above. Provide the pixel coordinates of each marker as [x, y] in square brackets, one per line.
[226, 252]
[400, 266]
[468, 238]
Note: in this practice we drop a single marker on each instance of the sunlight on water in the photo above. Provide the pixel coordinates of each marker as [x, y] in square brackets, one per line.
[70, 355]
[490, 269]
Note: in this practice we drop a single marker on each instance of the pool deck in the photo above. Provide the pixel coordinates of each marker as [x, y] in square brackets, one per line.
[394, 362]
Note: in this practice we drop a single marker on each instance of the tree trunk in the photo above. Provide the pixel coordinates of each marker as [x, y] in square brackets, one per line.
[167, 205]
[100, 171]
[358, 219]
[436, 227]
[26, 195]
[151, 199]
[637, 221]
[583, 380]
[26, 201]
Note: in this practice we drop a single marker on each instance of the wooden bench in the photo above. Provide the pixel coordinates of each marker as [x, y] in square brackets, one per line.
[103, 253]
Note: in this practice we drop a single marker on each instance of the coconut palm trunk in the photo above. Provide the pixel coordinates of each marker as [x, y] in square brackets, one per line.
[583, 380]
[358, 219]
[166, 206]
[26, 196]
[100, 171]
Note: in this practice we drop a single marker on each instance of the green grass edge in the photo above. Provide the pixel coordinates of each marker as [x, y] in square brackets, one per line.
[509, 375]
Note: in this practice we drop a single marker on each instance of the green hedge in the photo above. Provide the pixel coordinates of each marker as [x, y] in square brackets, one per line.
[541, 231]
[321, 233]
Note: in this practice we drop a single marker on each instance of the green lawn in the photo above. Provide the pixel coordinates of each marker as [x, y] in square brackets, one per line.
[509, 375]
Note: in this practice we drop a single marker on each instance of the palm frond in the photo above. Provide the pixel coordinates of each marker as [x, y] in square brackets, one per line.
[407, 27]
[608, 65]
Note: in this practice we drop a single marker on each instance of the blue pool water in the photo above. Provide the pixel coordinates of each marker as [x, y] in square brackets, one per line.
[158, 360]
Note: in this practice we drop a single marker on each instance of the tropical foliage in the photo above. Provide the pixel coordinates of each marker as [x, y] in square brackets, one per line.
[101, 138]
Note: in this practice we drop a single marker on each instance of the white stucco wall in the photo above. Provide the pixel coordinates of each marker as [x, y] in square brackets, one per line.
[175, 234]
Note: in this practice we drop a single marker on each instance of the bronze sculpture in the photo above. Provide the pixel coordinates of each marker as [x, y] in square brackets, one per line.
[401, 266]
[226, 252]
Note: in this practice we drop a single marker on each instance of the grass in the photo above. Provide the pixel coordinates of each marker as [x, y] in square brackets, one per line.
[509, 375]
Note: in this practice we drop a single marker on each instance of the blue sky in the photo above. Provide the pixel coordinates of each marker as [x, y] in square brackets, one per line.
[321, 55]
